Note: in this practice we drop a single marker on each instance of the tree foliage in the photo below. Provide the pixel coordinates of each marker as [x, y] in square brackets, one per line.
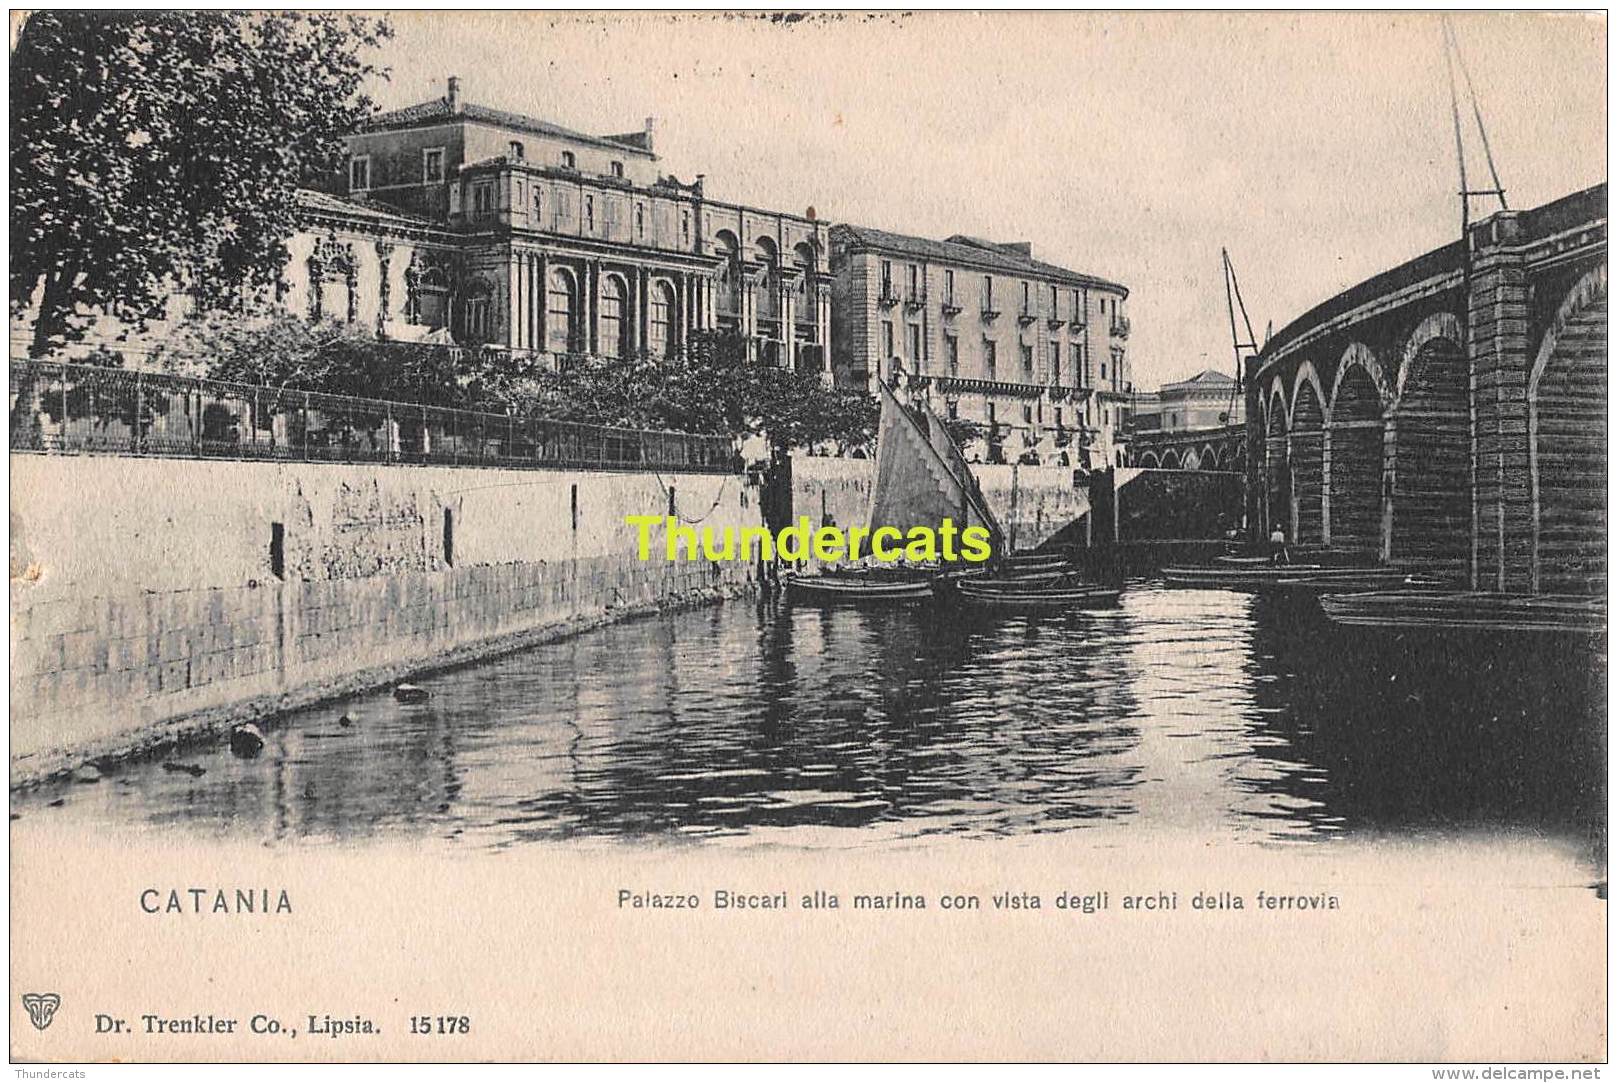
[153, 148]
[714, 388]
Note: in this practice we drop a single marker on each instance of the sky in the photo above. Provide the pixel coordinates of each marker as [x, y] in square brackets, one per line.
[1318, 148]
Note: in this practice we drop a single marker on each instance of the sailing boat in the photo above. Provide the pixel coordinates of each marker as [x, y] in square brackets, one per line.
[921, 480]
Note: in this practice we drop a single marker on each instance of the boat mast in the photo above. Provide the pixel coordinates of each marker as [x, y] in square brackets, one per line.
[1451, 57]
[1232, 301]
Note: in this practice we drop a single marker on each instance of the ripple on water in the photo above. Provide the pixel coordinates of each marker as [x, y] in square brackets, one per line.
[1179, 709]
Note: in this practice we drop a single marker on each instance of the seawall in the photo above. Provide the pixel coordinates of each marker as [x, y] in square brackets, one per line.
[154, 600]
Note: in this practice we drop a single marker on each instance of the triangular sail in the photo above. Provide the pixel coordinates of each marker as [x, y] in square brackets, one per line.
[921, 476]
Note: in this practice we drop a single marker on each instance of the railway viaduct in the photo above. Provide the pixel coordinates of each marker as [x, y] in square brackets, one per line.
[1449, 415]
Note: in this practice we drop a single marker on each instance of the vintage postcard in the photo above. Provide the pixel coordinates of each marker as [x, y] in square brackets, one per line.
[776, 537]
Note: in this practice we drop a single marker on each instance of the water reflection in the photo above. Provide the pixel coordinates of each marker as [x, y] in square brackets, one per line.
[1219, 714]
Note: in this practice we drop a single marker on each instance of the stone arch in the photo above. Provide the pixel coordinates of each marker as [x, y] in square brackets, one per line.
[767, 256]
[1191, 459]
[1428, 451]
[1209, 457]
[1353, 476]
[1306, 455]
[1149, 460]
[805, 260]
[1170, 460]
[1437, 326]
[727, 283]
[1566, 422]
[1358, 355]
[477, 312]
[561, 311]
[614, 316]
[1276, 465]
[662, 319]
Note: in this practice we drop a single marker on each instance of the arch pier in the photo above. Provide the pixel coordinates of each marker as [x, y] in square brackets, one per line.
[1449, 415]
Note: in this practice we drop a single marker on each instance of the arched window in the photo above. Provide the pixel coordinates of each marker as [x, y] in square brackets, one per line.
[614, 328]
[768, 279]
[477, 324]
[561, 313]
[662, 320]
[431, 299]
[803, 262]
[729, 278]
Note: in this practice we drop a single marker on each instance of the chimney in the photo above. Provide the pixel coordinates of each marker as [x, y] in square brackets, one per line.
[651, 129]
[454, 93]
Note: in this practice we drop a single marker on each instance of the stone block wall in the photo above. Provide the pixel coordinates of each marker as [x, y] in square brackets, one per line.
[157, 598]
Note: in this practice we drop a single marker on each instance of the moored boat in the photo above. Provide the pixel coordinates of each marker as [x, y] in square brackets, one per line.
[1292, 577]
[1467, 611]
[1042, 598]
[823, 589]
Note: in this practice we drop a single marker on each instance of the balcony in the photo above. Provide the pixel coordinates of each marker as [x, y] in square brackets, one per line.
[1067, 392]
[1026, 316]
[886, 298]
[951, 309]
[1120, 327]
[990, 314]
[1055, 323]
[914, 302]
[949, 384]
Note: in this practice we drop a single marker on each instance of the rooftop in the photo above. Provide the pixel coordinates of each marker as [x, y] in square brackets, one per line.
[349, 207]
[451, 108]
[972, 252]
[1204, 378]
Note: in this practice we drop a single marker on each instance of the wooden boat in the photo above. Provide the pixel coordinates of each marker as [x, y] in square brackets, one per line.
[1468, 611]
[1034, 562]
[1368, 580]
[921, 479]
[1045, 598]
[1292, 577]
[844, 589]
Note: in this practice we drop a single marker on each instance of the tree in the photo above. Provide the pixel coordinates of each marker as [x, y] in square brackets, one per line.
[152, 149]
[963, 430]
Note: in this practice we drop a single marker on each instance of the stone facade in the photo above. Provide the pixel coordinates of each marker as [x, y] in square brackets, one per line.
[1208, 400]
[554, 242]
[1034, 353]
[473, 226]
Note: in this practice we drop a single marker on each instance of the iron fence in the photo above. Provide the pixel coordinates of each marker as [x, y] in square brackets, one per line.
[83, 409]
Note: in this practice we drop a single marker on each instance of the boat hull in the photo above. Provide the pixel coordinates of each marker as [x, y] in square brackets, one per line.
[1467, 611]
[837, 590]
[1293, 578]
[1049, 600]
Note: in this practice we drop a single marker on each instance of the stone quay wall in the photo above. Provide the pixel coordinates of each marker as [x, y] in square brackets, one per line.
[159, 599]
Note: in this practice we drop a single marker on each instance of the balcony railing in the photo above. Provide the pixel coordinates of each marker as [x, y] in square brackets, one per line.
[949, 384]
[1120, 327]
[81, 409]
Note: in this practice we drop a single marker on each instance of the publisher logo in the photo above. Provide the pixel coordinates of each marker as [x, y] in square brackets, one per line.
[41, 1008]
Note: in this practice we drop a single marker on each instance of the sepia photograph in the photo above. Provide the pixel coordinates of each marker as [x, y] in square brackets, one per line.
[780, 537]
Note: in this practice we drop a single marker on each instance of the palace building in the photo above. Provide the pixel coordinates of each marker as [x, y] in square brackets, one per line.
[467, 225]
[503, 230]
[1035, 354]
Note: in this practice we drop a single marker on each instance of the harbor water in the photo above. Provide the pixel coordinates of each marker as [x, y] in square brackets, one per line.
[1209, 714]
